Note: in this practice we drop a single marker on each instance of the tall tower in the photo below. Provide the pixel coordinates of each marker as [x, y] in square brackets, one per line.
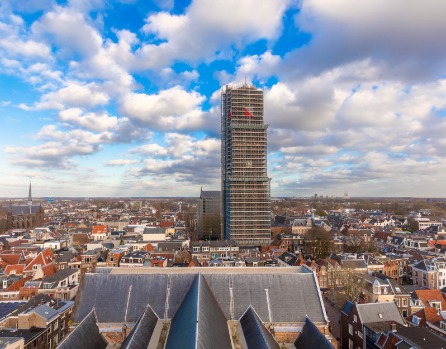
[30, 199]
[245, 185]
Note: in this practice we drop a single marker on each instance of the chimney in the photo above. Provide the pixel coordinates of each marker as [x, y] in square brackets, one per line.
[393, 326]
[124, 332]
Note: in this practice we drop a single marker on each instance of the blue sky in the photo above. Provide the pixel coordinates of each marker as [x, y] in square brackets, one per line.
[121, 98]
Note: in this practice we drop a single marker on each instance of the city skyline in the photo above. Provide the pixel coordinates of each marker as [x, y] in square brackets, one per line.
[128, 103]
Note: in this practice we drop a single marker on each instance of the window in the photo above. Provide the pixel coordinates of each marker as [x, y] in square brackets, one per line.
[436, 305]
[196, 249]
[416, 320]
[350, 344]
[350, 329]
[360, 334]
[355, 318]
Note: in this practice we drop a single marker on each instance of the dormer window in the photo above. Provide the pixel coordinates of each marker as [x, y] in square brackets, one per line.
[436, 305]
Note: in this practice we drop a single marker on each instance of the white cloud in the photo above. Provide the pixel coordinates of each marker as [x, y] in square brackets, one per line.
[207, 29]
[404, 38]
[257, 66]
[181, 158]
[171, 109]
[74, 95]
[90, 121]
[58, 27]
[121, 162]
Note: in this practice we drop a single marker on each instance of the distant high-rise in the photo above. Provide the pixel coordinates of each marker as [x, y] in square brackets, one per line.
[244, 180]
[209, 215]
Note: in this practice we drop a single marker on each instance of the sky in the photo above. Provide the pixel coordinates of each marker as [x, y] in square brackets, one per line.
[122, 98]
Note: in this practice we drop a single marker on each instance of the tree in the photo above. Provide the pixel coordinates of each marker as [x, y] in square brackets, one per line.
[412, 224]
[318, 242]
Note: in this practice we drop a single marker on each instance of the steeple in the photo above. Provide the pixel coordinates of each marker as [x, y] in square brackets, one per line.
[30, 198]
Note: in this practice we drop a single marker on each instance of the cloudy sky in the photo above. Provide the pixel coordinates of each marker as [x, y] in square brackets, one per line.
[121, 98]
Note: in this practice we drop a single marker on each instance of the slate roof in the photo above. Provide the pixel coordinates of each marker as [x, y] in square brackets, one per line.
[45, 311]
[27, 335]
[141, 334]
[353, 264]
[288, 258]
[169, 246]
[21, 209]
[86, 335]
[291, 296]
[6, 308]
[255, 333]
[109, 293]
[421, 265]
[379, 312]
[347, 308]
[154, 230]
[312, 338]
[199, 321]
[65, 256]
[37, 299]
[60, 275]
[420, 338]
[210, 194]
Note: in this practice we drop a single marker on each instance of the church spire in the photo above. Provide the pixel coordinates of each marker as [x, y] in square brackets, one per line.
[30, 198]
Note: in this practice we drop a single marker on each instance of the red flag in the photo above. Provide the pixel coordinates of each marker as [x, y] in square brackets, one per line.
[247, 112]
[230, 114]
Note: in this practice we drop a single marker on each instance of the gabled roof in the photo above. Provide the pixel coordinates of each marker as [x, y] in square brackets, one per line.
[111, 294]
[255, 333]
[141, 334]
[312, 338]
[347, 308]
[354, 264]
[60, 275]
[99, 229]
[46, 312]
[15, 286]
[199, 321]
[11, 258]
[418, 337]
[80, 239]
[379, 312]
[16, 269]
[421, 265]
[431, 295]
[49, 269]
[43, 258]
[288, 258]
[86, 335]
